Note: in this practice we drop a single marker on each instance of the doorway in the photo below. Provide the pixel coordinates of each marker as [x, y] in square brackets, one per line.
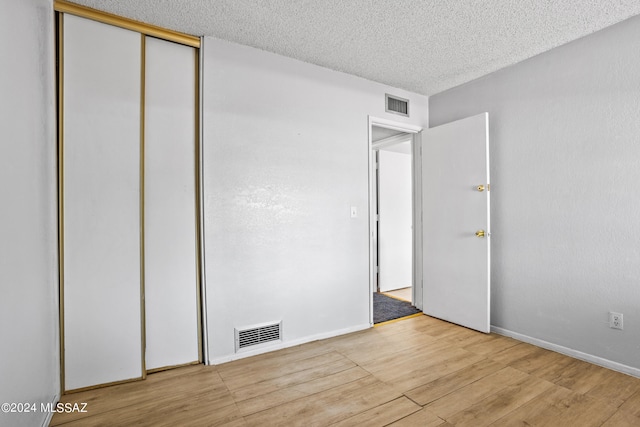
[393, 220]
[393, 213]
[451, 207]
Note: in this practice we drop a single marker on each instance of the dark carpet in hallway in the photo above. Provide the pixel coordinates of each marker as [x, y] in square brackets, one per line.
[386, 308]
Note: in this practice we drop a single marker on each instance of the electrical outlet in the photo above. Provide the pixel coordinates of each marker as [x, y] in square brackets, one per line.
[615, 320]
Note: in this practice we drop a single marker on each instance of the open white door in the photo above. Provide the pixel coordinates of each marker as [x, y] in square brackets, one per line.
[455, 222]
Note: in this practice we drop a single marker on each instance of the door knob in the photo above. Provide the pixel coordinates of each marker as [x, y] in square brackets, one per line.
[480, 188]
[480, 233]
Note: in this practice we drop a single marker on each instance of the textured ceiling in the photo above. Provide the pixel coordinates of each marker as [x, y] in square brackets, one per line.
[422, 46]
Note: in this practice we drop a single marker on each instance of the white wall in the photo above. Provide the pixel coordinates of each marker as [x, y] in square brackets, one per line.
[285, 156]
[395, 238]
[565, 151]
[29, 366]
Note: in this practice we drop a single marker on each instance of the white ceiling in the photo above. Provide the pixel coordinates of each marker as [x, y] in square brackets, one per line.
[422, 46]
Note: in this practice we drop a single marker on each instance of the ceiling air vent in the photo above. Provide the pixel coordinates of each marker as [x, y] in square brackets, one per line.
[259, 334]
[396, 105]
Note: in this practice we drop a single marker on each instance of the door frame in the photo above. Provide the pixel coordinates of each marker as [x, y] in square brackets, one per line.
[416, 202]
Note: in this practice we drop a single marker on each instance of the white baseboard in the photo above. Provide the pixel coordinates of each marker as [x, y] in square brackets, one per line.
[286, 344]
[615, 366]
[47, 420]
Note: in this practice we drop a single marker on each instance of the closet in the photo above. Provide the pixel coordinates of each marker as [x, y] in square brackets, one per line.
[128, 199]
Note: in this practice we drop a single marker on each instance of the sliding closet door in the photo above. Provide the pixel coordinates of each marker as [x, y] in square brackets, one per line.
[171, 286]
[101, 203]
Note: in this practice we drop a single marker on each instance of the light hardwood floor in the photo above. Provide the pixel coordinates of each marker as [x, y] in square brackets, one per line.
[415, 372]
[403, 294]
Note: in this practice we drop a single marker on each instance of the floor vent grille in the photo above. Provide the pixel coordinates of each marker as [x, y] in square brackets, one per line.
[260, 334]
[396, 105]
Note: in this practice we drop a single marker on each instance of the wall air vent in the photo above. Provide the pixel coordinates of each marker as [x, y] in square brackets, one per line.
[396, 105]
[259, 334]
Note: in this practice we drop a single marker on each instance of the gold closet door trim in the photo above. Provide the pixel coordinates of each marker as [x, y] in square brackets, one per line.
[198, 205]
[143, 122]
[129, 24]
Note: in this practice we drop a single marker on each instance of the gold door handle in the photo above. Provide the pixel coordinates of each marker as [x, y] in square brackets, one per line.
[480, 233]
[480, 188]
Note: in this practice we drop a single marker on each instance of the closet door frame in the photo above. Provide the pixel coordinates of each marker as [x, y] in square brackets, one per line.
[61, 8]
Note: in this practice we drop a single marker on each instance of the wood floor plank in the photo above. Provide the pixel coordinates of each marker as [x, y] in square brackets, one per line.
[615, 387]
[382, 415]
[494, 344]
[501, 403]
[576, 375]
[463, 336]
[541, 359]
[436, 368]
[422, 418]
[632, 404]
[385, 347]
[388, 367]
[327, 407]
[559, 406]
[419, 323]
[464, 341]
[622, 419]
[273, 359]
[461, 399]
[271, 385]
[446, 384]
[381, 352]
[511, 355]
[285, 395]
[252, 375]
[238, 422]
[442, 329]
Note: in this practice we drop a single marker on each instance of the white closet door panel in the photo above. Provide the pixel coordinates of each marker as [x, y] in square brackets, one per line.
[102, 316]
[170, 205]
